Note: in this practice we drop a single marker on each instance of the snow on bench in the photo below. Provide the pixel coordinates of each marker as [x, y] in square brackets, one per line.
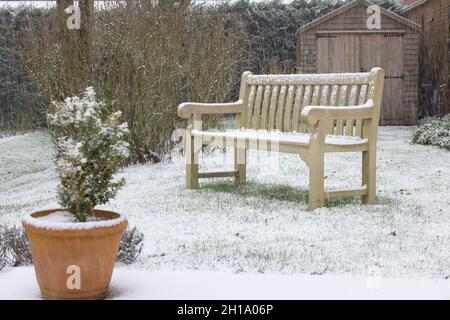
[221, 137]
[305, 114]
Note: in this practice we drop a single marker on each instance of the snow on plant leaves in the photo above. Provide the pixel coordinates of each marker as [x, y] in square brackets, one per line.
[90, 147]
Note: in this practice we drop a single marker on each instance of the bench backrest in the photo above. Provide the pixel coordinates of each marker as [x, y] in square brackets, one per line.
[274, 102]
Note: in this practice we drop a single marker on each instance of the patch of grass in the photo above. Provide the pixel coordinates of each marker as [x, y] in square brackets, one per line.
[262, 255]
[260, 190]
[387, 201]
[340, 202]
[282, 192]
[6, 208]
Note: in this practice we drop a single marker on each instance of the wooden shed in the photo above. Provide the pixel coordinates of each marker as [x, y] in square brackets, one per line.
[341, 42]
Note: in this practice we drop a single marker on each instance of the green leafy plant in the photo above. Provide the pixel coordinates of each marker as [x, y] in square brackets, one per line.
[90, 147]
[434, 131]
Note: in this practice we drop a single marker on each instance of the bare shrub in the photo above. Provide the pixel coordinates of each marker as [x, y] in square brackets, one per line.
[130, 246]
[14, 249]
[144, 60]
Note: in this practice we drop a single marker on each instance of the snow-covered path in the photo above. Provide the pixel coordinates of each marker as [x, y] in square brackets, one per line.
[186, 285]
[265, 226]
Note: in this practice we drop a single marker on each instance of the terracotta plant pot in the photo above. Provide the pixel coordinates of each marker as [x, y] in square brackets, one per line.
[74, 260]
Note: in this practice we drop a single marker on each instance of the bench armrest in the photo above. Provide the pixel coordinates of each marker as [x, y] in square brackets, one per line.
[187, 109]
[313, 114]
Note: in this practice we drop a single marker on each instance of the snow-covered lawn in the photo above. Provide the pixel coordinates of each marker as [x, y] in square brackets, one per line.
[265, 226]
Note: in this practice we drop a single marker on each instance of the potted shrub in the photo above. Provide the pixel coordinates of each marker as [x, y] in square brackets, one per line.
[74, 248]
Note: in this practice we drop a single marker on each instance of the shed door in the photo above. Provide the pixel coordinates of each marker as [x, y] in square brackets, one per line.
[360, 52]
[339, 53]
[387, 51]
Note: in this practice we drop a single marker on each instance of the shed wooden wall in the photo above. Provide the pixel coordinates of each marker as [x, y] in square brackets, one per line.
[355, 20]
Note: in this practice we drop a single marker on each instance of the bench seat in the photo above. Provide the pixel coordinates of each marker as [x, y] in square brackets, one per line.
[291, 138]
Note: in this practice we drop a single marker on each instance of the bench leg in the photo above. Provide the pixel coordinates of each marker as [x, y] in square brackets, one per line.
[316, 181]
[240, 165]
[369, 176]
[191, 163]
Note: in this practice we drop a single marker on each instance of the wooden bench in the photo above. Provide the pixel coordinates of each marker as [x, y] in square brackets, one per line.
[305, 114]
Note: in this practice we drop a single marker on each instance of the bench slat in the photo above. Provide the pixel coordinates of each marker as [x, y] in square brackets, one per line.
[251, 101]
[352, 100]
[342, 102]
[218, 174]
[306, 101]
[334, 99]
[288, 111]
[297, 108]
[347, 193]
[362, 99]
[257, 108]
[325, 95]
[280, 109]
[272, 108]
[316, 95]
[265, 107]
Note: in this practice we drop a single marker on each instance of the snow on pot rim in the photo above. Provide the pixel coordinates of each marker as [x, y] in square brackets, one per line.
[41, 220]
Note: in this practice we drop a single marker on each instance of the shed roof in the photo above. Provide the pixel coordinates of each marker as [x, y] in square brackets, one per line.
[414, 5]
[353, 4]
[408, 2]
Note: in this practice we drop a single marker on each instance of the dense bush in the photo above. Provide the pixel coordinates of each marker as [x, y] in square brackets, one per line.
[434, 131]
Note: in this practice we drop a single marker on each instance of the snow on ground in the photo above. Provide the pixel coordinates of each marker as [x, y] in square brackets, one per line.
[265, 226]
[181, 285]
